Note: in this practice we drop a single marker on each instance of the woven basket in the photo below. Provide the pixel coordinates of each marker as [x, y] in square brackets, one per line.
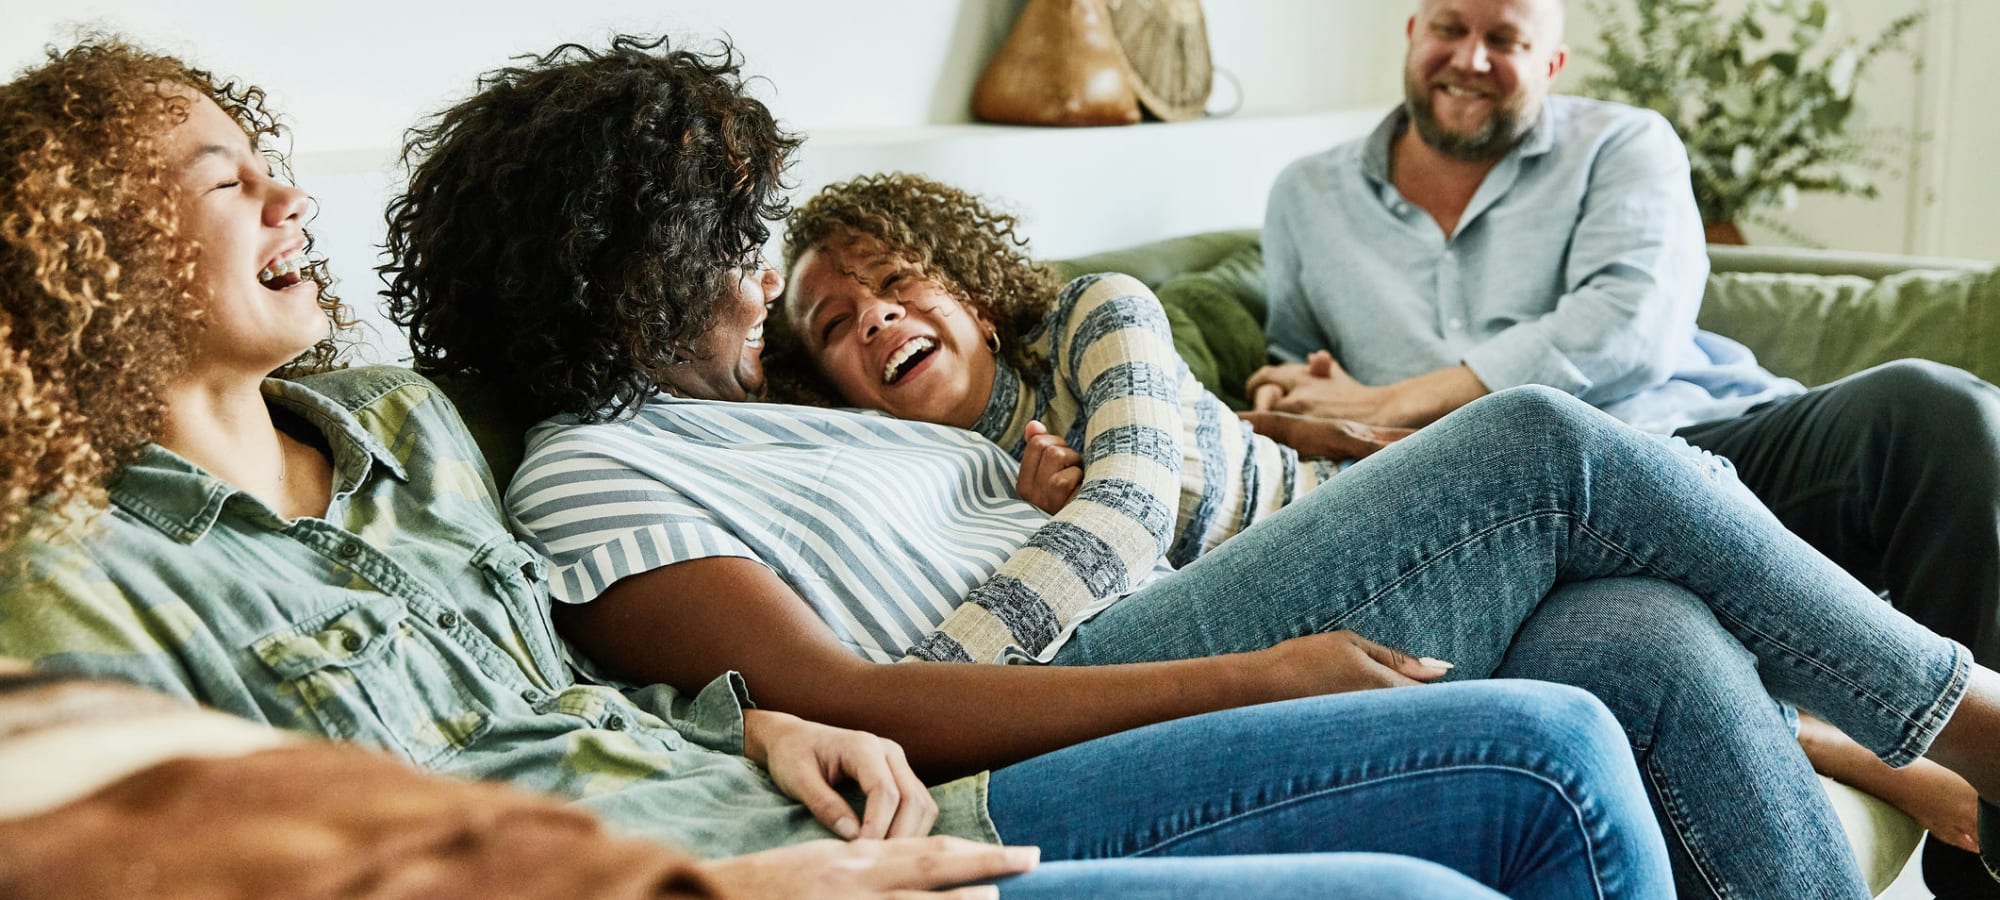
[1165, 45]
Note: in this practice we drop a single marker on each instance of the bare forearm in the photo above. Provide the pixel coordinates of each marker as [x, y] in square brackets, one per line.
[954, 719]
[1423, 399]
[685, 624]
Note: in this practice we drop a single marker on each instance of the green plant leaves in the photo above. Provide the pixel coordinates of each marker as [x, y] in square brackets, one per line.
[1762, 123]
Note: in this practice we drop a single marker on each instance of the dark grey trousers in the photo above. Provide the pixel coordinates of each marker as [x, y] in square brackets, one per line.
[1894, 473]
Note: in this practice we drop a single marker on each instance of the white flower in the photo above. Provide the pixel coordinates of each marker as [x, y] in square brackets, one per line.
[1840, 76]
[1742, 161]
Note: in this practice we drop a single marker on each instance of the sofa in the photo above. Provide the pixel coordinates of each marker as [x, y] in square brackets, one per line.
[1811, 315]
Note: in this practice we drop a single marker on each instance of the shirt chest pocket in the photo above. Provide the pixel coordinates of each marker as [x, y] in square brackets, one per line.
[520, 578]
[367, 672]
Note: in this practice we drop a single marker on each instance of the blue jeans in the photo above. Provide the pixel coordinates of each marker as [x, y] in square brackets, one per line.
[1699, 721]
[1447, 542]
[1525, 787]
[1332, 876]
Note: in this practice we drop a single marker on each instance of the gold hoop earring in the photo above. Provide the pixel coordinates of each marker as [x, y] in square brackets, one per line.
[993, 342]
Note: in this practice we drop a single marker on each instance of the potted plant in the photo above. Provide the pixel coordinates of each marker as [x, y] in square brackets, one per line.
[1763, 99]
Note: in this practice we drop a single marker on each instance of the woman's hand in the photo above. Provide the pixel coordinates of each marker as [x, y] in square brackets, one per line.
[1334, 662]
[1050, 470]
[875, 870]
[806, 759]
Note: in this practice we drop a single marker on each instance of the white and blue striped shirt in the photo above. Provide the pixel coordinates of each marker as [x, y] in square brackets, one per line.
[883, 526]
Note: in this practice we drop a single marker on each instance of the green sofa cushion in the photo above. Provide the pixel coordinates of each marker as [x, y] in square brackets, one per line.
[1817, 328]
[1217, 318]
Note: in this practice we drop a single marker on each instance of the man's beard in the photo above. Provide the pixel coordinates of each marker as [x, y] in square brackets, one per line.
[1503, 129]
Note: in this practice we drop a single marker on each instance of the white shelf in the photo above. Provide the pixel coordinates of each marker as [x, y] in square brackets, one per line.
[1083, 190]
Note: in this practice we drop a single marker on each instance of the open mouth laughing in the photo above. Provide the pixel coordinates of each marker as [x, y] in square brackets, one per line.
[907, 358]
[285, 272]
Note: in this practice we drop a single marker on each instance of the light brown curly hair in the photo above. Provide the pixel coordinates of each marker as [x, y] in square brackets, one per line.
[98, 289]
[951, 236]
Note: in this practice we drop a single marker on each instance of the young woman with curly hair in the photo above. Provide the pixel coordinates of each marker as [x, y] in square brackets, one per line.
[829, 555]
[102, 307]
[987, 339]
[326, 553]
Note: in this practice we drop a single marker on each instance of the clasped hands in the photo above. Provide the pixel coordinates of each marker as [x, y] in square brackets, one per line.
[1318, 409]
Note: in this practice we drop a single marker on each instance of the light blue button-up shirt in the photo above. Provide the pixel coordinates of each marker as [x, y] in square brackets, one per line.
[1579, 264]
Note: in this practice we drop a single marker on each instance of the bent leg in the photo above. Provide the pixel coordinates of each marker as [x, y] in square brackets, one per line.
[1525, 787]
[1743, 813]
[1894, 473]
[1445, 542]
[1309, 876]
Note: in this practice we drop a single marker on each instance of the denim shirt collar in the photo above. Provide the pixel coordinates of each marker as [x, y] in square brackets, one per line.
[1000, 404]
[1375, 151]
[178, 497]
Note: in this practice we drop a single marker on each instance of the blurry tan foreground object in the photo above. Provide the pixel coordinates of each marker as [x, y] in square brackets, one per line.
[1165, 45]
[159, 799]
[1060, 66]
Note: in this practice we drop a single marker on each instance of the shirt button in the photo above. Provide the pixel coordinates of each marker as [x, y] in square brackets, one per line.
[351, 642]
[349, 550]
[447, 619]
[531, 695]
[614, 722]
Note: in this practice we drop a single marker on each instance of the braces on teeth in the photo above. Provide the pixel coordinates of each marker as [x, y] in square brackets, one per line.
[284, 268]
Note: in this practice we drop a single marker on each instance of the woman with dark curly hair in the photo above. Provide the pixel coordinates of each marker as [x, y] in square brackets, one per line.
[813, 549]
[678, 238]
[325, 553]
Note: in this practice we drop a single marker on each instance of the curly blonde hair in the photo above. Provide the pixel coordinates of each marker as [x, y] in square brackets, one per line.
[950, 236]
[98, 289]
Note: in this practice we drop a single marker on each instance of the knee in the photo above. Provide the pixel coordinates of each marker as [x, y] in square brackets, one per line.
[1942, 412]
[1536, 414]
[1944, 397]
[1639, 645]
[1557, 718]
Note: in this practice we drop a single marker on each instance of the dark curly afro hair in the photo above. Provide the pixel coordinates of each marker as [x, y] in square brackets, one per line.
[950, 236]
[99, 295]
[569, 231]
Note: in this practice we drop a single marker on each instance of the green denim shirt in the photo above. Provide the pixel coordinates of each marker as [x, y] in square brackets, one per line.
[409, 618]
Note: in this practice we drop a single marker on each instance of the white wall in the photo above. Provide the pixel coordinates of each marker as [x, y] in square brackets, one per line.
[876, 84]
[882, 84]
